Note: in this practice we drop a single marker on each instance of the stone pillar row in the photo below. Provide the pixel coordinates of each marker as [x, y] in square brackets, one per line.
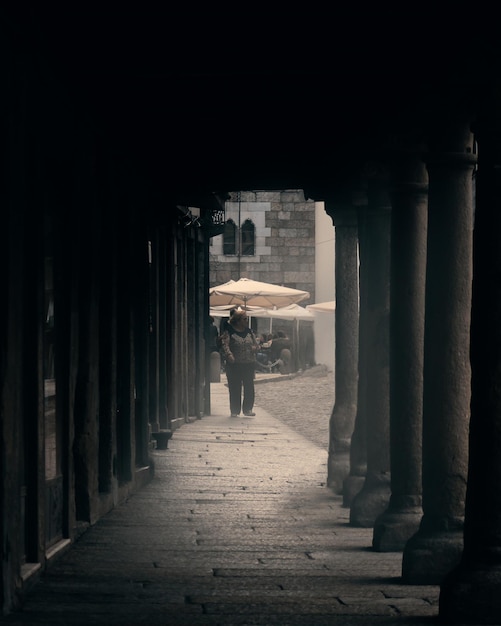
[409, 445]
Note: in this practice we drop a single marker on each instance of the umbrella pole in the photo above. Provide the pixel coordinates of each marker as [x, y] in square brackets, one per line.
[271, 320]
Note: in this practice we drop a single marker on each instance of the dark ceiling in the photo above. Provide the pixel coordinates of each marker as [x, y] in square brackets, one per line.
[249, 98]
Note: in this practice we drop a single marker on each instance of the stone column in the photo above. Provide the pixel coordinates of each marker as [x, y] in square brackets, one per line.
[470, 593]
[374, 496]
[342, 419]
[436, 548]
[408, 269]
[354, 482]
[154, 348]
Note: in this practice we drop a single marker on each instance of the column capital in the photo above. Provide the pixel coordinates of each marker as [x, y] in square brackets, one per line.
[378, 195]
[452, 144]
[408, 174]
[464, 160]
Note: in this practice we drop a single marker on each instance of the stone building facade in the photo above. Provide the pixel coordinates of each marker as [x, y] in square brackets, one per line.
[284, 240]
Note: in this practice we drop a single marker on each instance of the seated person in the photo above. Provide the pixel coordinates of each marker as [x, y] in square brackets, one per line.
[266, 340]
[263, 353]
[279, 342]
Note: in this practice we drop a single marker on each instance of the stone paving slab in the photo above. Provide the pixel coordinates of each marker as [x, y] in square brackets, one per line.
[240, 534]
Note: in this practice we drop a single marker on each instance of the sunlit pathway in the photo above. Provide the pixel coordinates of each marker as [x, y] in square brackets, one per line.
[236, 528]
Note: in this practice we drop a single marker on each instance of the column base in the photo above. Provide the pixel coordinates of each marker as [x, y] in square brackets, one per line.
[370, 503]
[162, 438]
[429, 557]
[393, 529]
[471, 596]
[338, 468]
[351, 487]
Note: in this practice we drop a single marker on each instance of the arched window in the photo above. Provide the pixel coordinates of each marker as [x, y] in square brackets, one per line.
[248, 236]
[230, 238]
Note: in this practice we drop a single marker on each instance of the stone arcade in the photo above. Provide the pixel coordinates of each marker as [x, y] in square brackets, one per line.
[115, 124]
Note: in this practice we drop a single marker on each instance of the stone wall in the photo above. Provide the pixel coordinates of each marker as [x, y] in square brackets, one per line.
[285, 240]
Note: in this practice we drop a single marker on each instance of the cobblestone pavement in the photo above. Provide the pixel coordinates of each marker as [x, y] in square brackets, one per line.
[235, 529]
[304, 402]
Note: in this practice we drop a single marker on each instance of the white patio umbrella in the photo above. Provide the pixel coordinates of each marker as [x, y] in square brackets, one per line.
[294, 312]
[323, 307]
[224, 311]
[291, 312]
[246, 292]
